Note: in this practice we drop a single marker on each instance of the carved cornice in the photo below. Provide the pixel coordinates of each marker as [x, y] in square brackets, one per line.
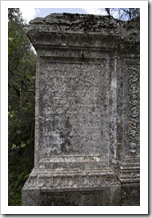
[67, 40]
[74, 30]
[69, 181]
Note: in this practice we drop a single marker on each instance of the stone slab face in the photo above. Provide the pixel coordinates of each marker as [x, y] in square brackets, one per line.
[87, 148]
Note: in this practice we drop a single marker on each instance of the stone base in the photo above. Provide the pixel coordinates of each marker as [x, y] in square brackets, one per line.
[130, 194]
[129, 177]
[75, 189]
[103, 196]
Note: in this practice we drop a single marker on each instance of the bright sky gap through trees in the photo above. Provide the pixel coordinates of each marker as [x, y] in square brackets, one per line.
[30, 13]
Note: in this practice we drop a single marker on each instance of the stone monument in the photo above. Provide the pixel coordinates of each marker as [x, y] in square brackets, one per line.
[86, 113]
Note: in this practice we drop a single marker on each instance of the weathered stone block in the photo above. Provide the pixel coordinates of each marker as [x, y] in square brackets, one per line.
[102, 196]
[130, 194]
[87, 111]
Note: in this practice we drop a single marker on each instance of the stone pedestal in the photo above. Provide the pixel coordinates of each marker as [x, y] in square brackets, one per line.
[72, 188]
[87, 111]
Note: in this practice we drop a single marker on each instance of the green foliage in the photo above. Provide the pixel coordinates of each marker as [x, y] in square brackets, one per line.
[21, 80]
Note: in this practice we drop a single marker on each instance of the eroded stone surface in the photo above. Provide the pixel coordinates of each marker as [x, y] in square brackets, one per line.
[87, 111]
[73, 107]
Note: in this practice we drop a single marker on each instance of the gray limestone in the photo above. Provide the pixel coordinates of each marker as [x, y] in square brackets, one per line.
[87, 111]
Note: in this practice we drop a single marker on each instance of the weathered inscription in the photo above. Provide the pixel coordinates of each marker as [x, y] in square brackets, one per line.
[72, 108]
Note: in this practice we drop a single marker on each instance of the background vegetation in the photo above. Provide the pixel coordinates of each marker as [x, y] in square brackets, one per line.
[21, 77]
[21, 98]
